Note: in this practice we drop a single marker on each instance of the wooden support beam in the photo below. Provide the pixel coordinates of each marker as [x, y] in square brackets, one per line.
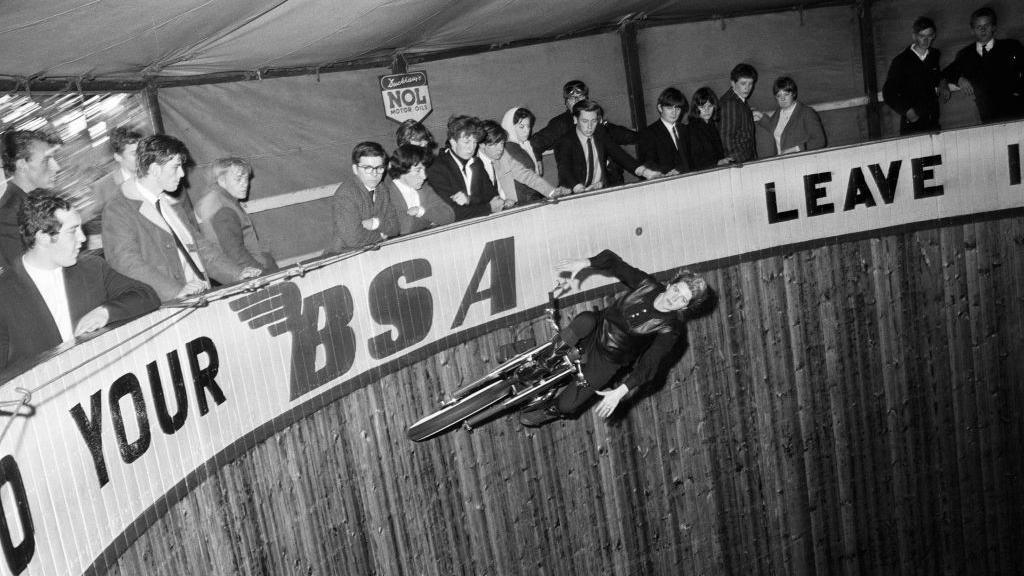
[867, 57]
[631, 61]
[154, 108]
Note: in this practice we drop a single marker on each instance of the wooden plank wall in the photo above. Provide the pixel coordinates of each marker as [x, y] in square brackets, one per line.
[853, 408]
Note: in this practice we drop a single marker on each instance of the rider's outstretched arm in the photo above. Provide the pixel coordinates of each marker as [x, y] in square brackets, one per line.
[609, 263]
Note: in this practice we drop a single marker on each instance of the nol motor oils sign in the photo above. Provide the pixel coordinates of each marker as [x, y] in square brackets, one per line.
[406, 96]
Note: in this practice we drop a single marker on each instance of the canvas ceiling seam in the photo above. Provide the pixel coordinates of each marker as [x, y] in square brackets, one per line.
[155, 65]
[203, 44]
[50, 17]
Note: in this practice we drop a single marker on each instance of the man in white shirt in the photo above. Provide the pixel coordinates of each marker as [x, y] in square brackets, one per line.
[148, 236]
[51, 295]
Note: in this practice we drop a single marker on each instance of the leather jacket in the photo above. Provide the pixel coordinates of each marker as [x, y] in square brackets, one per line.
[627, 327]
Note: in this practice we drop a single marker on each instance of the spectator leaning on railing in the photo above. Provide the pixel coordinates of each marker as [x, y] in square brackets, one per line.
[222, 219]
[416, 204]
[362, 212]
[50, 294]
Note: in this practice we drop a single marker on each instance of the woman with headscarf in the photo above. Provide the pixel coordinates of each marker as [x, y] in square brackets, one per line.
[518, 122]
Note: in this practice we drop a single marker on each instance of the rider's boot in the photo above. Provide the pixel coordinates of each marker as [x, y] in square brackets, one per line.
[541, 415]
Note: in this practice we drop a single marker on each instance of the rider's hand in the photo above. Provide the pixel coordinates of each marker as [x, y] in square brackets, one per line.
[610, 400]
[569, 282]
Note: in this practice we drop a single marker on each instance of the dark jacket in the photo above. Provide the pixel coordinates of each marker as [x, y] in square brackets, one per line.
[620, 337]
[911, 84]
[572, 159]
[26, 326]
[998, 78]
[655, 149]
[704, 144]
[445, 177]
[351, 204]
[10, 236]
[436, 211]
[736, 127]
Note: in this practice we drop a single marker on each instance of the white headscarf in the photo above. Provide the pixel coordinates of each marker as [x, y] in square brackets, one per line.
[506, 123]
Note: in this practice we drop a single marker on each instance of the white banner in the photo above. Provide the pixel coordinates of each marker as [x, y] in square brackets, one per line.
[121, 427]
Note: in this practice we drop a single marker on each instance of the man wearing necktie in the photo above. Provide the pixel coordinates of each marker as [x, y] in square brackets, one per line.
[990, 70]
[148, 236]
[581, 154]
[662, 145]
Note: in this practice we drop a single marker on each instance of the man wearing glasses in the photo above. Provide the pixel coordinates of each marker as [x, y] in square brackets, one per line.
[363, 214]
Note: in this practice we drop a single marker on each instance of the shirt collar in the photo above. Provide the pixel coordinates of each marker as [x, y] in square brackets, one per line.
[147, 194]
[918, 54]
[988, 45]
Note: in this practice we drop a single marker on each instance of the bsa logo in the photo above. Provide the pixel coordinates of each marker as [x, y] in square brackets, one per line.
[325, 342]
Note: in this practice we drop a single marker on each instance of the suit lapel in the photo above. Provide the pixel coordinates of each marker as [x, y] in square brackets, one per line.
[47, 327]
[77, 290]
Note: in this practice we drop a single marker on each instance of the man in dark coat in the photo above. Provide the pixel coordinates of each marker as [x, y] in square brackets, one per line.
[50, 294]
[28, 157]
[914, 82]
[991, 71]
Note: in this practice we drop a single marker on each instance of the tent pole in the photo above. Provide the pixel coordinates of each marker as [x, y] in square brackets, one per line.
[154, 108]
[867, 57]
[631, 61]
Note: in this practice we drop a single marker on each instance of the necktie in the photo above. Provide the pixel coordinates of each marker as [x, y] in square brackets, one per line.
[590, 162]
[177, 241]
[675, 137]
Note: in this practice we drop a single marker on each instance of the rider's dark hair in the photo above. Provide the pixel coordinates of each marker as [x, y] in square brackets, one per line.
[700, 293]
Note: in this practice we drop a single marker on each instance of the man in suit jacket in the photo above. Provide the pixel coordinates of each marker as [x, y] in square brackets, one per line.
[505, 171]
[737, 120]
[662, 146]
[28, 157]
[914, 81]
[361, 207]
[459, 177]
[124, 143]
[150, 237]
[51, 295]
[581, 154]
[548, 137]
[416, 204]
[990, 71]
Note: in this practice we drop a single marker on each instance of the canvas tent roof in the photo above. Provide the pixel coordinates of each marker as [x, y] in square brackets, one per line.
[61, 41]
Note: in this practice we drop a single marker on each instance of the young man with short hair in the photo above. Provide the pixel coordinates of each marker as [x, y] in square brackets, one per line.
[505, 171]
[663, 145]
[223, 220]
[361, 206]
[29, 158]
[581, 154]
[52, 294]
[990, 70]
[148, 236]
[736, 123]
[458, 175]
[914, 81]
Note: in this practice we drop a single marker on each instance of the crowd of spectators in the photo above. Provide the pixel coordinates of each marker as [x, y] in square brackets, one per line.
[156, 248]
